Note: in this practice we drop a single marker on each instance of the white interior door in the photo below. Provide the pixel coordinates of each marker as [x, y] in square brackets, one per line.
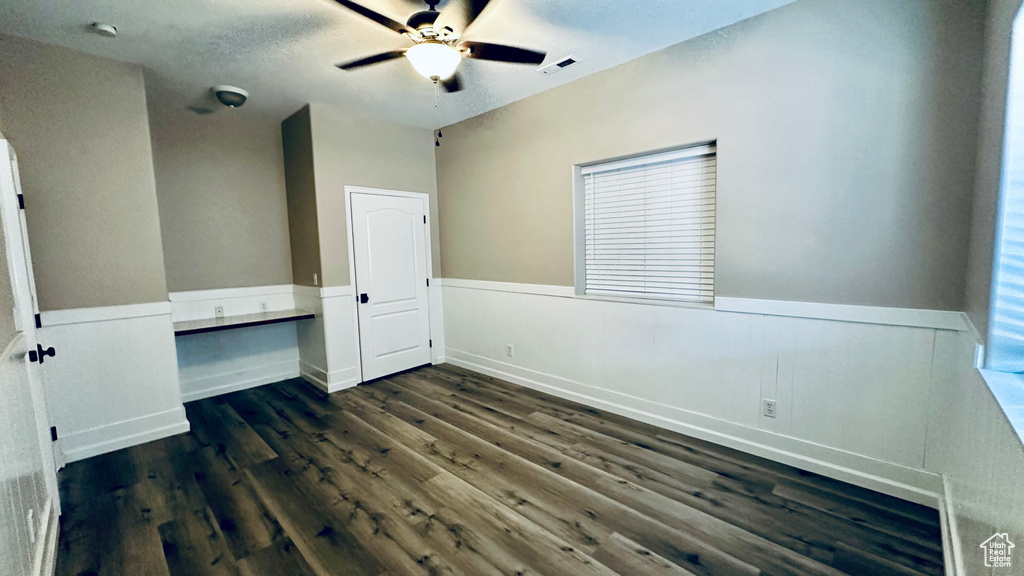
[389, 246]
[28, 480]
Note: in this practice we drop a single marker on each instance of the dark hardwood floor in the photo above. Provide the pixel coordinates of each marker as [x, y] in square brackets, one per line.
[443, 471]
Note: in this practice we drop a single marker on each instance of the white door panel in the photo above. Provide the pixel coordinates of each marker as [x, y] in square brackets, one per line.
[390, 262]
[28, 478]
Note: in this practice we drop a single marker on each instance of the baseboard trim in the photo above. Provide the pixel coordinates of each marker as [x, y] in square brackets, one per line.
[226, 383]
[953, 556]
[103, 313]
[892, 479]
[124, 434]
[45, 562]
[329, 382]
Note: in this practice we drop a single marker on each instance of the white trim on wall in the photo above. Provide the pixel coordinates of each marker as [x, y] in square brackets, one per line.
[217, 384]
[124, 434]
[952, 555]
[920, 318]
[539, 289]
[336, 291]
[103, 313]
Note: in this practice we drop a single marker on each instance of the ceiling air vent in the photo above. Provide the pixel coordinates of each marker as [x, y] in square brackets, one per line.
[556, 67]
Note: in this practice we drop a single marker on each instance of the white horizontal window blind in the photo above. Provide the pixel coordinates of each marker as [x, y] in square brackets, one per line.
[650, 226]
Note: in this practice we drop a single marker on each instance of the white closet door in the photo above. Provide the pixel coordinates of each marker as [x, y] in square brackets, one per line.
[389, 245]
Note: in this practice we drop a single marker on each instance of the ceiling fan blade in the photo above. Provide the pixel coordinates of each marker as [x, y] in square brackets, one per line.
[453, 84]
[375, 59]
[500, 53]
[470, 10]
[378, 18]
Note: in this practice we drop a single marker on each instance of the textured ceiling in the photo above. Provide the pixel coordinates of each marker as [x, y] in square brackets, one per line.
[284, 51]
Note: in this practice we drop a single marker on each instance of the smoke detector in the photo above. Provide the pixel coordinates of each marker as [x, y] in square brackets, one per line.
[108, 30]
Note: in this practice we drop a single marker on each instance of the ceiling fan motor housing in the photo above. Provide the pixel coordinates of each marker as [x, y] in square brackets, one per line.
[423, 20]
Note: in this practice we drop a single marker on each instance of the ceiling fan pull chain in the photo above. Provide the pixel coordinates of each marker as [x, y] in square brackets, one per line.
[437, 111]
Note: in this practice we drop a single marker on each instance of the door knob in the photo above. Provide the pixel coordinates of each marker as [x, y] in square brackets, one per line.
[39, 353]
[364, 298]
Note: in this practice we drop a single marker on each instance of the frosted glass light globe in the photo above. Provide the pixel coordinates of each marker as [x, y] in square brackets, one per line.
[434, 60]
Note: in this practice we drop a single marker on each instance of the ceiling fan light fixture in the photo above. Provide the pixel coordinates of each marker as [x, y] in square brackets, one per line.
[434, 60]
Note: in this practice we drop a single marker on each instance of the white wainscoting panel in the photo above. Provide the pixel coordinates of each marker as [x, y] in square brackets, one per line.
[341, 338]
[214, 363]
[312, 348]
[436, 322]
[201, 304]
[113, 382]
[852, 397]
[328, 345]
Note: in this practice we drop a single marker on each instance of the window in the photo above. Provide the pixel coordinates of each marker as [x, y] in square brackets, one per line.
[1006, 322]
[646, 226]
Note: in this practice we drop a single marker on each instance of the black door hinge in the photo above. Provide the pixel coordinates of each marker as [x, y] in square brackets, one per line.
[428, 281]
[39, 321]
[53, 433]
[424, 217]
[21, 201]
[431, 343]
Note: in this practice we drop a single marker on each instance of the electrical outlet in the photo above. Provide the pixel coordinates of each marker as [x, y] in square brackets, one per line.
[769, 408]
[315, 280]
[263, 306]
[509, 350]
[218, 311]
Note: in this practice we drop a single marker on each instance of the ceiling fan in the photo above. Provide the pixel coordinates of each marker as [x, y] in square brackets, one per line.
[437, 52]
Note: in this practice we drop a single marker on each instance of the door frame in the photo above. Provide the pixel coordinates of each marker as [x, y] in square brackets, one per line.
[350, 238]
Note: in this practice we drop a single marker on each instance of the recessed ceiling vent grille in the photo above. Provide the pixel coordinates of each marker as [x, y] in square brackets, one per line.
[556, 67]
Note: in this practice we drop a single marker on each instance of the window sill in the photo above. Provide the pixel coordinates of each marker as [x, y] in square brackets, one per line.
[646, 302]
[1008, 390]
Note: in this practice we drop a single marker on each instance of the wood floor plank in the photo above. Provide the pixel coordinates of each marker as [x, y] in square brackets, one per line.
[219, 423]
[324, 541]
[468, 452]
[560, 407]
[739, 543]
[627, 557]
[281, 559]
[193, 544]
[441, 471]
[244, 521]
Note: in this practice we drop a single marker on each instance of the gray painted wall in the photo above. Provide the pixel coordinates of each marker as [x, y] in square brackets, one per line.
[80, 128]
[841, 128]
[297, 137]
[356, 151]
[220, 182]
[1001, 15]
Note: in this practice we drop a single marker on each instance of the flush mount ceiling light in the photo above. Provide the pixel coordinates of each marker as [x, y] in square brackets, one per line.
[434, 60]
[437, 49]
[230, 96]
[108, 30]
